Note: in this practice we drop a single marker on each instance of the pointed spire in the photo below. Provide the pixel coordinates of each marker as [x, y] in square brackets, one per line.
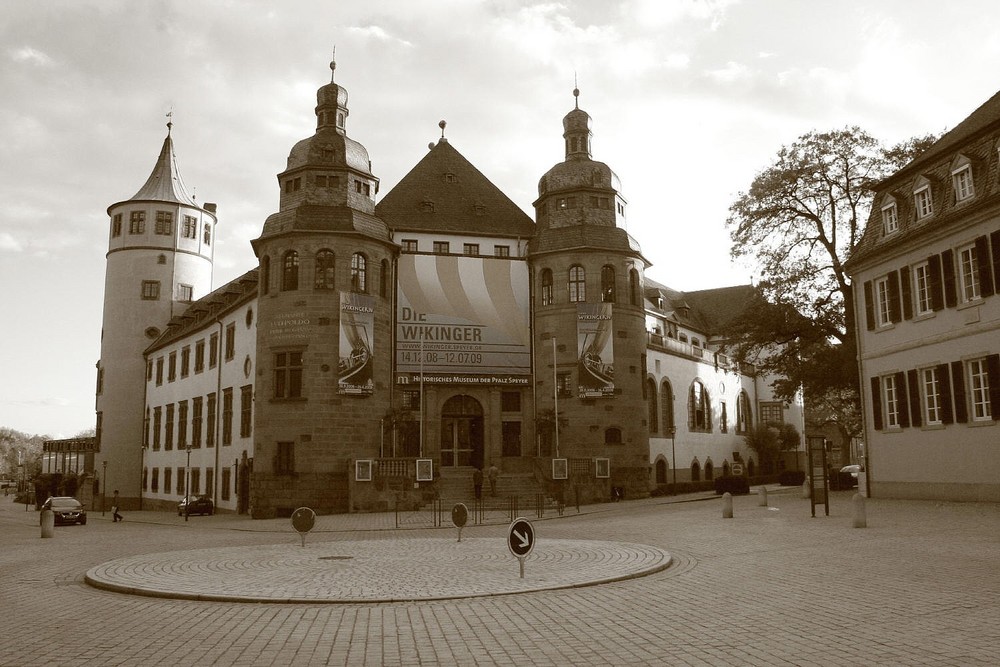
[164, 182]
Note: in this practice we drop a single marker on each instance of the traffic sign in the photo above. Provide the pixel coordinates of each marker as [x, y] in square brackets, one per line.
[303, 520]
[459, 514]
[520, 537]
[737, 469]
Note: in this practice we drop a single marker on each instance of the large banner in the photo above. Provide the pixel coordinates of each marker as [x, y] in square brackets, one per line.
[595, 346]
[357, 323]
[462, 320]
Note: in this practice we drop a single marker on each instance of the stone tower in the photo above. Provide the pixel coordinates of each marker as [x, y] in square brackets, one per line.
[587, 276]
[160, 250]
[324, 339]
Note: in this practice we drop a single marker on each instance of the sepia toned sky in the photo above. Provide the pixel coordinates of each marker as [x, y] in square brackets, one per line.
[689, 99]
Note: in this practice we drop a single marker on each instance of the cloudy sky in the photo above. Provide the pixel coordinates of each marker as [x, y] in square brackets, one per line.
[689, 99]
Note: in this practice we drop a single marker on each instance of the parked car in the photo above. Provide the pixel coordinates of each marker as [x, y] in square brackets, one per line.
[66, 510]
[199, 505]
[850, 472]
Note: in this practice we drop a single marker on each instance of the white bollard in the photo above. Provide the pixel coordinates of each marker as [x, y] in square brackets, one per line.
[860, 516]
[727, 505]
[762, 491]
[48, 521]
[805, 488]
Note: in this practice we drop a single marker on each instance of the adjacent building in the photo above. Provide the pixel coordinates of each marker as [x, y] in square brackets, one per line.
[926, 277]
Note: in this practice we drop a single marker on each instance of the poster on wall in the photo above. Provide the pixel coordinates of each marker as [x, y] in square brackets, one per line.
[596, 368]
[462, 319]
[357, 322]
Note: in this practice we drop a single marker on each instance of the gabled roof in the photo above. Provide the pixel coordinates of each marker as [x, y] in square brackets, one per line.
[207, 309]
[708, 311]
[444, 192]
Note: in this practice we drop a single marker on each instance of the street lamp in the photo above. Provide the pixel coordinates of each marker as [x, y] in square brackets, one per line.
[24, 476]
[104, 482]
[187, 485]
[142, 476]
[672, 431]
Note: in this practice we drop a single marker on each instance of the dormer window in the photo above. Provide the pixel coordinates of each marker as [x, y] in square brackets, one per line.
[890, 219]
[961, 179]
[922, 199]
[450, 178]
[426, 206]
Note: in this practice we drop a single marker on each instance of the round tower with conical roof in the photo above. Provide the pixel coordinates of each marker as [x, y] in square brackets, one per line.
[160, 255]
[324, 338]
[589, 323]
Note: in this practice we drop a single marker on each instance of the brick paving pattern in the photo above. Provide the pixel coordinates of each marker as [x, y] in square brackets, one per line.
[771, 586]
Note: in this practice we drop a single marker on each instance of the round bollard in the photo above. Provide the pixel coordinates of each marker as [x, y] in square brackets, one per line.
[762, 491]
[48, 521]
[805, 488]
[727, 505]
[860, 516]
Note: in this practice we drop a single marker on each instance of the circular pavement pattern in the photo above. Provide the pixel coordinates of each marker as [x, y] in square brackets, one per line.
[374, 570]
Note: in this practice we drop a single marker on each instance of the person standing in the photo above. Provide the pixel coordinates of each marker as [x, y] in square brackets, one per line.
[115, 516]
[477, 483]
[492, 475]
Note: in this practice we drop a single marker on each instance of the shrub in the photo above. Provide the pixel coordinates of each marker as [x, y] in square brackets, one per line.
[734, 485]
[792, 477]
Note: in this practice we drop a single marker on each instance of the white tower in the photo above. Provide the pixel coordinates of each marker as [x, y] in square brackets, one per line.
[160, 251]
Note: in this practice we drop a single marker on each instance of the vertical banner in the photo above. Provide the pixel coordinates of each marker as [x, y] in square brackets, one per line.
[357, 323]
[595, 346]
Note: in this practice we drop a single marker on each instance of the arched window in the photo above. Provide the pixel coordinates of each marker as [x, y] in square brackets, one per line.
[290, 271]
[608, 284]
[661, 471]
[652, 406]
[325, 270]
[695, 471]
[744, 416]
[359, 270]
[265, 274]
[577, 284]
[383, 279]
[699, 408]
[667, 407]
[709, 470]
[613, 436]
[546, 287]
[633, 287]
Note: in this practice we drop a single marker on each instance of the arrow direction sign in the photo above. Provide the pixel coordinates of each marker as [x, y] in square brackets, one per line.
[520, 537]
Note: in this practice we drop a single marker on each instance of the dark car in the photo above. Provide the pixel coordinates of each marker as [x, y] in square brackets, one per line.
[199, 505]
[848, 476]
[66, 510]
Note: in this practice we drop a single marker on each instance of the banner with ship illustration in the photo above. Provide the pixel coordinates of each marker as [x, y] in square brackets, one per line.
[462, 320]
[595, 346]
[357, 323]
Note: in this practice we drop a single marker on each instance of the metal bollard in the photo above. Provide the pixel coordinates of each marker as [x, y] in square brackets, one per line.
[762, 491]
[860, 516]
[727, 505]
[48, 521]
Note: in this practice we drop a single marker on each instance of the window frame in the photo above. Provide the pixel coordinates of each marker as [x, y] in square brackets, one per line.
[324, 270]
[576, 284]
[359, 273]
[922, 290]
[979, 390]
[930, 390]
[962, 183]
[923, 204]
[289, 271]
[546, 287]
[883, 302]
[969, 274]
[890, 402]
[890, 219]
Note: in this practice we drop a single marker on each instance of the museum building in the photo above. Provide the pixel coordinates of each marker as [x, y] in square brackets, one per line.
[383, 349]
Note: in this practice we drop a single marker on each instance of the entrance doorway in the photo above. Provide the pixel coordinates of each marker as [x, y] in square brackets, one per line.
[462, 432]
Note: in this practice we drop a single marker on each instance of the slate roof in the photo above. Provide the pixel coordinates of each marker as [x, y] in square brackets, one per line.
[584, 236]
[322, 218]
[444, 192]
[708, 311]
[208, 308]
[164, 182]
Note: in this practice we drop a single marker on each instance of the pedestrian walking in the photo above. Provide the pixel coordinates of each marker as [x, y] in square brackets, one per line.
[492, 475]
[477, 483]
[115, 516]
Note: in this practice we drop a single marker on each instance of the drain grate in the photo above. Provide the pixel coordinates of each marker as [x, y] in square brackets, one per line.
[336, 557]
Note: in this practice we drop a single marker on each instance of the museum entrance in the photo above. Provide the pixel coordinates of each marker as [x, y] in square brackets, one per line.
[462, 432]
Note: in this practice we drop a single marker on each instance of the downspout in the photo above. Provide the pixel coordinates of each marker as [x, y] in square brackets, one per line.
[218, 421]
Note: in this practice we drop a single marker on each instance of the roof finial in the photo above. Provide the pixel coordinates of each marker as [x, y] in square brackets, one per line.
[170, 120]
[441, 125]
[576, 92]
[333, 64]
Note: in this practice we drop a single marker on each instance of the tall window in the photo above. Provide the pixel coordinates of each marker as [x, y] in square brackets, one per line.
[167, 479]
[743, 415]
[196, 420]
[208, 234]
[168, 430]
[211, 405]
[922, 288]
[284, 460]
[164, 223]
[968, 265]
[932, 396]
[324, 270]
[185, 361]
[633, 287]
[182, 424]
[230, 341]
[608, 284]
[979, 383]
[891, 393]
[667, 406]
[137, 222]
[383, 279]
[157, 427]
[265, 274]
[246, 411]
[961, 179]
[227, 416]
[577, 284]
[723, 418]
[652, 407]
[213, 350]
[172, 367]
[890, 219]
[699, 408]
[199, 356]
[546, 287]
[190, 230]
[290, 271]
[116, 225]
[883, 304]
[359, 273]
[922, 202]
[288, 375]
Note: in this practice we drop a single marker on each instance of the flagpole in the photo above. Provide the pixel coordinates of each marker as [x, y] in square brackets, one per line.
[555, 394]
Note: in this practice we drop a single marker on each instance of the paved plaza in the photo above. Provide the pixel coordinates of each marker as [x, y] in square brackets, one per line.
[646, 582]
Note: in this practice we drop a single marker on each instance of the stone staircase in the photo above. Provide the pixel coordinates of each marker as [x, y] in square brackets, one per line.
[455, 486]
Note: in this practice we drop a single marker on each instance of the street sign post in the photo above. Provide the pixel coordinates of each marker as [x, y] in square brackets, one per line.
[737, 469]
[303, 520]
[521, 540]
[459, 517]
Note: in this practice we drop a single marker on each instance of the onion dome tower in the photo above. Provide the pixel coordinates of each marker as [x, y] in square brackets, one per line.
[160, 254]
[324, 337]
[587, 276]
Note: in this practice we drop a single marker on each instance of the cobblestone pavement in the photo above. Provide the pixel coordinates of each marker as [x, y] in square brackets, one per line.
[771, 586]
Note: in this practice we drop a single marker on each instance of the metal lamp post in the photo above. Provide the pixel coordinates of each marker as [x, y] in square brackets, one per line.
[187, 485]
[104, 483]
[22, 457]
[142, 476]
[673, 455]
